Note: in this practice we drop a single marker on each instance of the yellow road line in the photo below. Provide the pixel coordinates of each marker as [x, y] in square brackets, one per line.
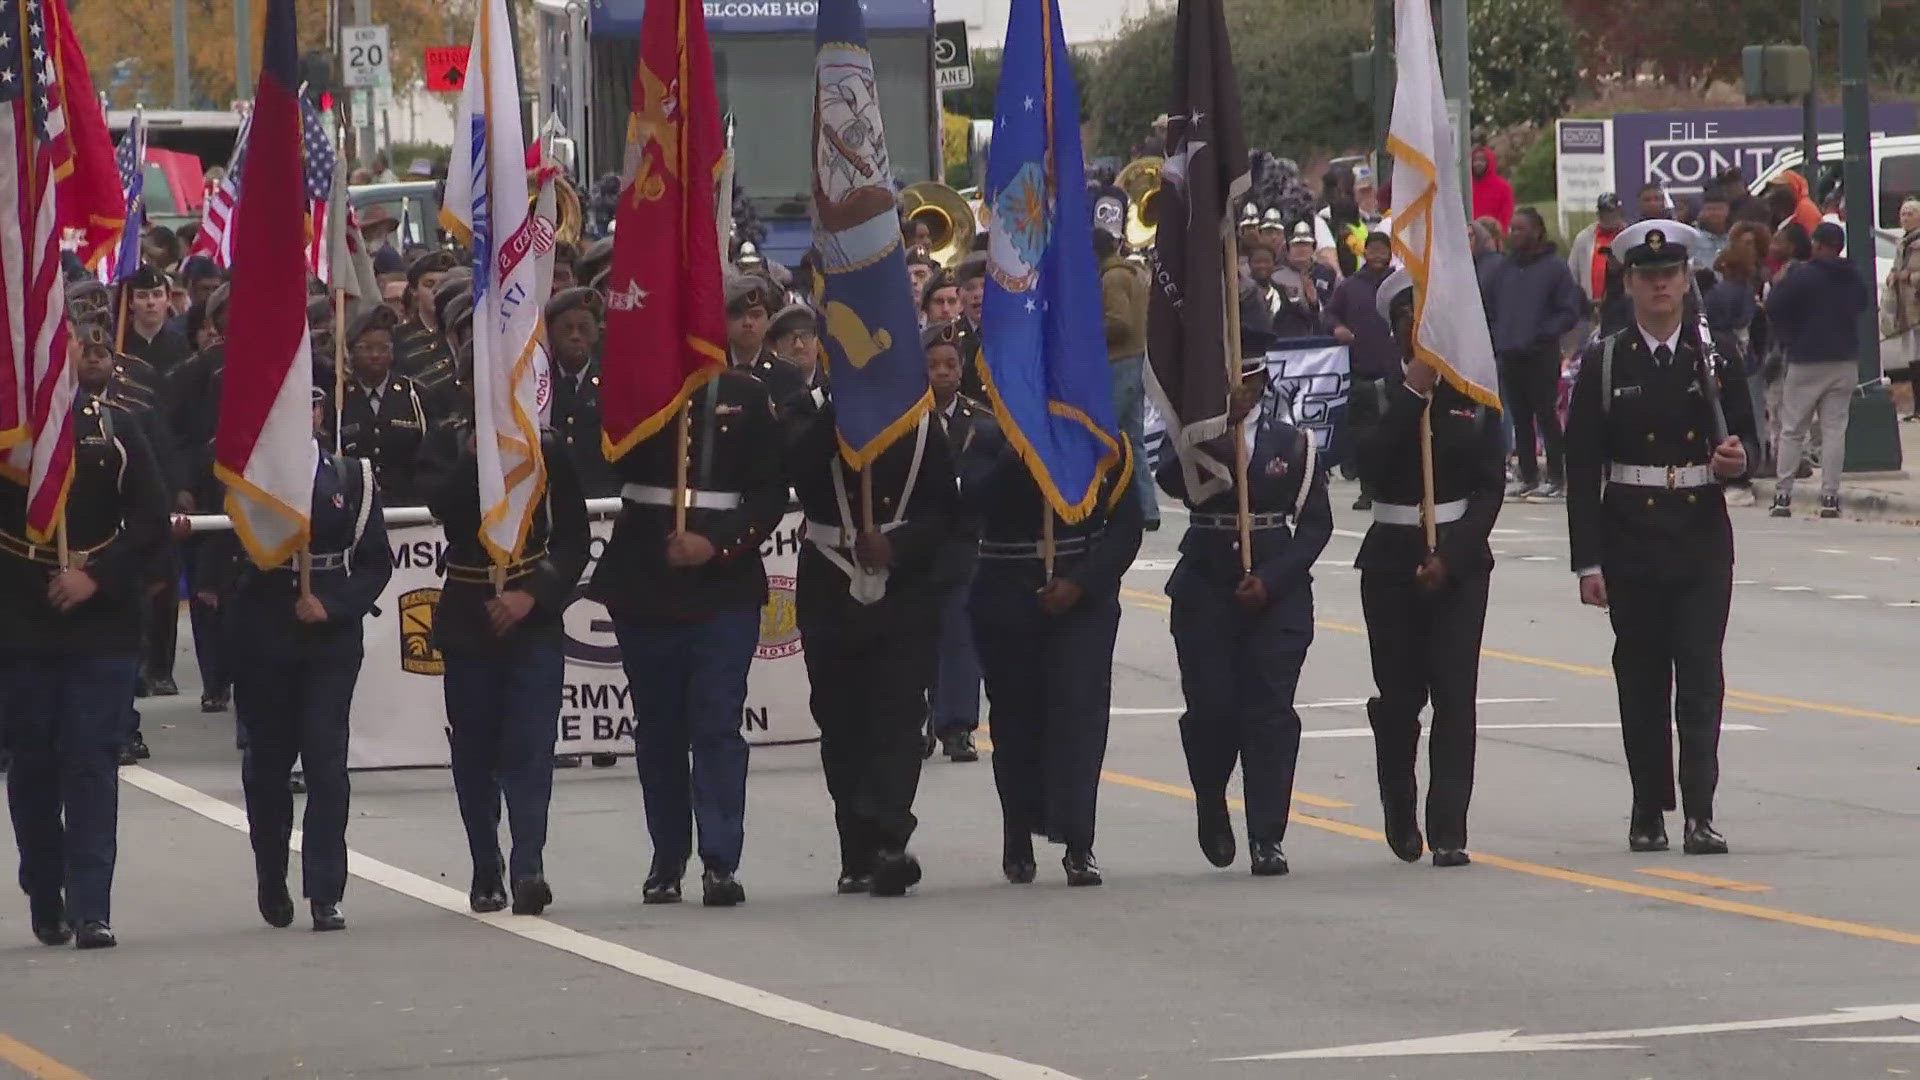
[1576, 877]
[33, 1062]
[1708, 880]
[1739, 700]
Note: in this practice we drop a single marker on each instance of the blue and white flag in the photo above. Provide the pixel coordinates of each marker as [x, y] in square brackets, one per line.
[1044, 353]
[486, 207]
[131, 159]
[872, 325]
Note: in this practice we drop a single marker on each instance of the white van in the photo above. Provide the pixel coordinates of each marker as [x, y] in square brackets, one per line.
[1895, 171]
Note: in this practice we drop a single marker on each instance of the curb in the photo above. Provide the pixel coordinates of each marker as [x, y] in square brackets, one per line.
[1872, 504]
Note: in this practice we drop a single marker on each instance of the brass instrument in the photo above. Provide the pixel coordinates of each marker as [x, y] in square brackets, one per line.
[1141, 181]
[950, 222]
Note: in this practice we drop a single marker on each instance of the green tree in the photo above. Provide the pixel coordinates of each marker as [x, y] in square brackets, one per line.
[1291, 59]
[978, 101]
[1523, 66]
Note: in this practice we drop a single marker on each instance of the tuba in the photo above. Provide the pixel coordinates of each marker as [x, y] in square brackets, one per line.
[950, 221]
[1141, 181]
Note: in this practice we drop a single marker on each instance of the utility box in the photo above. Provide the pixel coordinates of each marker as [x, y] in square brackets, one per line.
[1777, 72]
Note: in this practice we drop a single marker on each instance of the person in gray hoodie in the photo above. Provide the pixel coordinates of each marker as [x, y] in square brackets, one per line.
[1532, 302]
[1815, 311]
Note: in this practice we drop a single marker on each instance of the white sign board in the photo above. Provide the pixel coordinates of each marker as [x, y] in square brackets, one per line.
[399, 714]
[364, 57]
[1582, 169]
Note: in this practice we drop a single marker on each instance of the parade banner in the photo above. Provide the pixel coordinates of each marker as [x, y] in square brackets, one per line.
[399, 715]
[1308, 381]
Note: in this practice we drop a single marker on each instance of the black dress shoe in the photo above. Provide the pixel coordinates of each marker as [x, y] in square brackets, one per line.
[531, 895]
[663, 883]
[1216, 834]
[297, 784]
[721, 890]
[605, 761]
[1702, 839]
[852, 884]
[959, 747]
[49, 916]
[894, 872]
[1267, 858]
[487, 896]
[94, 935]
[163, 687]
[127, 756]
[213, 703]
[1082, 870]
[566, 761]
[1402, 827]
[1647, 832]
[276, 906]
[1450, 857]
[928, 745]
[1016, 859]
[327, 917]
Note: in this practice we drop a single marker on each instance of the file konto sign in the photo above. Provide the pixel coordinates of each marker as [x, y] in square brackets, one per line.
[1685, 151]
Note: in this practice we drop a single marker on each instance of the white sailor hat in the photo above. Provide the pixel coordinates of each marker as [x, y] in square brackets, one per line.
[1302, 232]
[1249, 216]
[1273, 219]
[1396, 283]
[1655, 242]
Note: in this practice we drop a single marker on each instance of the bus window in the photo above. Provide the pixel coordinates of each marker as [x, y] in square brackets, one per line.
[1899, 181]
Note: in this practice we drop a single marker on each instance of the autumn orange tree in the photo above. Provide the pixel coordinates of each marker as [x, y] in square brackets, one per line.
[130, 45]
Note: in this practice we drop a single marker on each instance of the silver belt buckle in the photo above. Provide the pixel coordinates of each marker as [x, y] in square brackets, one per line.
[1673, 477]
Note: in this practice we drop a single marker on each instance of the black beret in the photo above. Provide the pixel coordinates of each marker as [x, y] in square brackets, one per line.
[568, 299]
[430, 263]
[88, 290]
[595, 255]
[791, 318]
[91, 333]
[379, 317]
[458, 312]
[147, 277]
[973, 266]
[200, 268]
[940, 333]
[939, 280]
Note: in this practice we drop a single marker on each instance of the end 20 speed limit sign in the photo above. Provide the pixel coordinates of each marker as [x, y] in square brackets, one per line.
[364, 57]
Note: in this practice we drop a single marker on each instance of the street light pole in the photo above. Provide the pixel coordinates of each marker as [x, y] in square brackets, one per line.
[1873, 432]
[1453, 73]
[181, 94]
[1383, 77]
[1810, 103]
[242, 48]
[363, 16]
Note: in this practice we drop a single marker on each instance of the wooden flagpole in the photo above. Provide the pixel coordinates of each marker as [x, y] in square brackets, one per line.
[1230, 270]
[339, 365]
[1046, 538]
[120, 322]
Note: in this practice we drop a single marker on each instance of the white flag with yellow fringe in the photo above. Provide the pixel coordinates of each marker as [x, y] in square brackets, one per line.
[1430, 218]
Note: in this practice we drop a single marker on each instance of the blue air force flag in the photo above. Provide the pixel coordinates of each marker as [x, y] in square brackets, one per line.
[1044, 358]
[872, 327]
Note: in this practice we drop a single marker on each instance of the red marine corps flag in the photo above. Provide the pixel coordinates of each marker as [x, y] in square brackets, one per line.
[57, 176]
[666, 320]
[264, 450]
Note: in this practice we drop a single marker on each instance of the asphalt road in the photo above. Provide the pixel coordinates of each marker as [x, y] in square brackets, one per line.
[1170, 969]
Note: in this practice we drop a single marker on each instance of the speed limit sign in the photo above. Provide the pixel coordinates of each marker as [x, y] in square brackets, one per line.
[363, 57]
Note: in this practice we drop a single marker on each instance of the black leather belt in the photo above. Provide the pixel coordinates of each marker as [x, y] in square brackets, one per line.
[1019, 549]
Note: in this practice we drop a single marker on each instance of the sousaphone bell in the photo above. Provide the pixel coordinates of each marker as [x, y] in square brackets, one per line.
[1141, 181]
[950, 222]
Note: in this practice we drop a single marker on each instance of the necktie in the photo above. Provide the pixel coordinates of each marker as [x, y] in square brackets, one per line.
[1663, 354]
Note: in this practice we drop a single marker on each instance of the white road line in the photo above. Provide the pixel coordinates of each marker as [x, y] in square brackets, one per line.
[1745, 581]
[620, 957]
[1885, 558]
[1350, 534]
[1538, 558]
[1367, 733]
[1332, 703]
[1830, 551]
[1905, 603]
[1793, 588]
[1847, 596]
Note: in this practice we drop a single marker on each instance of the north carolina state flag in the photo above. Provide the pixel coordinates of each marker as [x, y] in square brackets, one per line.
[264, 450]
[666, 316]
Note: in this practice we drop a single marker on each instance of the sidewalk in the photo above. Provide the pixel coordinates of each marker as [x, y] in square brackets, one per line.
[1879, 496]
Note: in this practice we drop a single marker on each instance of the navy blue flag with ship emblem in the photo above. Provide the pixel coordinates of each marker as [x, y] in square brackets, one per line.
[872, 326]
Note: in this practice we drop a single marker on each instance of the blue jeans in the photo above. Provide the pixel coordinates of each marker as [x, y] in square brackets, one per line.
[1130, 409]
[64, 720]
[689, 683]
[956, 685]
[503, 708]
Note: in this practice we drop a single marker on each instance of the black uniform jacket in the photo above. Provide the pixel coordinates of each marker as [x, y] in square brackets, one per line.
[261, 618]
[390, 436]
[1658, 416]
[1005, 504]
[928, 554]
[554, 557]
[576, 427]
[1469, 462]
[734, 447]
[1282, 557]
[116, 533]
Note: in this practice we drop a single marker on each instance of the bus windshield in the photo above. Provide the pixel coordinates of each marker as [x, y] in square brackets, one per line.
[773, 124]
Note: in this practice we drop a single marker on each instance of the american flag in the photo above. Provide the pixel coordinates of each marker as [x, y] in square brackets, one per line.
[55, 172]
[215, 238]
[131, 159]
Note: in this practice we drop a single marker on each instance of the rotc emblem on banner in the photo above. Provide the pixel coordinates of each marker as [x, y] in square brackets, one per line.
[1025, 213]
[779, 621]
[417, 652]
